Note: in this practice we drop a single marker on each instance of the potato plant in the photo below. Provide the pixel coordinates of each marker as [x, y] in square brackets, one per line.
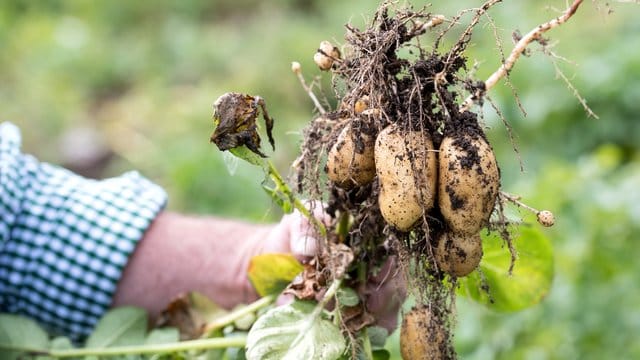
[405, 171]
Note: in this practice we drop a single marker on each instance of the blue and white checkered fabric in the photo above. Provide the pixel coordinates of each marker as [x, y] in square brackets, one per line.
[64, 239]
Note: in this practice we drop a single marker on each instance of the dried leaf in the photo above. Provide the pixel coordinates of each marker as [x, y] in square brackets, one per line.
[190, 313]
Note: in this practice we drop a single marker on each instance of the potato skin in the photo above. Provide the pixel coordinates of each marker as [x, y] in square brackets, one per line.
[458, 254]
[348, 167]
[420, 336]
[323, 61]
[469, 181]
[401, 201]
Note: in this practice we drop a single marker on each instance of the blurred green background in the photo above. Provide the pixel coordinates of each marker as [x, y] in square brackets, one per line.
[107, 86]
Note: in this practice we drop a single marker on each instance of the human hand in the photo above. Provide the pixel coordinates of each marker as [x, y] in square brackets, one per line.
[384, 292]
[295, 234]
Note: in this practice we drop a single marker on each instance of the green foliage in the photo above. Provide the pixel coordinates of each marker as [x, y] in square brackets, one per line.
[20, 333]
[120, 334]
[295, 331]
[589, 312]
[163, 336]
[146, 73]
[347, 297]
[530, 280]
[122, 326]
[247, 155]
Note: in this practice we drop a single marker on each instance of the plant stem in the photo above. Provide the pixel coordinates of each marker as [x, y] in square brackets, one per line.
[533, 35]
[286, 190]
[516, 200]
[343, 226]
[308, 89]
[366, 344]
[331, 292]
[201, 344]
[238, 314]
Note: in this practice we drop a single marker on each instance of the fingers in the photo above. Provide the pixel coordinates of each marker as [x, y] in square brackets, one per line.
[302, 241]
[302, 234]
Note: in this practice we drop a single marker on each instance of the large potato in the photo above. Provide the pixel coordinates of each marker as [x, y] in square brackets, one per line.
[458, 254]
[407, 170]
[349, 163]
[421, 337]
[469, 181]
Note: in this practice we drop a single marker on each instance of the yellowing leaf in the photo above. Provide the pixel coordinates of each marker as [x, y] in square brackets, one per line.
[531, 278]
[271, 273]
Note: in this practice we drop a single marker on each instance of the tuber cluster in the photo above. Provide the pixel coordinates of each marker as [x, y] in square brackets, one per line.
[410, 171]
[458, 183]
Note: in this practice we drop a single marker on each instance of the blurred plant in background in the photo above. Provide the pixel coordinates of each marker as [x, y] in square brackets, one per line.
[104, 87]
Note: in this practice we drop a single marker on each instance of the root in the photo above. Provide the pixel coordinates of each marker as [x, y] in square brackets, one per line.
[534, 35]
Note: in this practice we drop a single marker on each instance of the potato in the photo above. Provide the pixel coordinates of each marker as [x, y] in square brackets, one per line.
[348, 164]
[546, 218]
[469, 181]
[361, 105]
[323, 62]
[405, 194]
[458, 254]
[421, 337]
[325, 56]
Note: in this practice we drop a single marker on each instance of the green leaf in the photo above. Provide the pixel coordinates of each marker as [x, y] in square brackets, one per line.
[531, 278]
[271, 273]
[235, 353]
[279, 198]
[213, 354]
[377, 336]
[120, 326]
[245, 322]
[295, 331]
[20, 332]
[348, 297]
[203, 309]
[163, 336]
[61, 343]
[247, 155]
[381, 354]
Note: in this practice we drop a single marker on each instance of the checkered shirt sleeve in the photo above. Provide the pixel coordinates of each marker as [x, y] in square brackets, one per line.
[64, 239]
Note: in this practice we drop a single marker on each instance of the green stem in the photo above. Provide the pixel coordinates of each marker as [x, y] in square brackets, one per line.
[362, 273]
[201, 344]
[331, 292]
[286, 190]
[343, 226]
[238, 314]
[366, 344]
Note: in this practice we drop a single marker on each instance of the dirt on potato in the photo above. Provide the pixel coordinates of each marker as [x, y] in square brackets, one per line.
[388, 75]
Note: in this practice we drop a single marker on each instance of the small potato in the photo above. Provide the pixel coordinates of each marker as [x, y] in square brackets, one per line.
[326, 55]
[407, 170]
[458, 254]
[361, 105]
[469, 181]
[329, 49]
[546, 218]
[348, 164]
[421, 337]
[323, 62]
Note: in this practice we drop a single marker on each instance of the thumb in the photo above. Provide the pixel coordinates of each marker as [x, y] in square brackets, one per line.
[302, 242]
